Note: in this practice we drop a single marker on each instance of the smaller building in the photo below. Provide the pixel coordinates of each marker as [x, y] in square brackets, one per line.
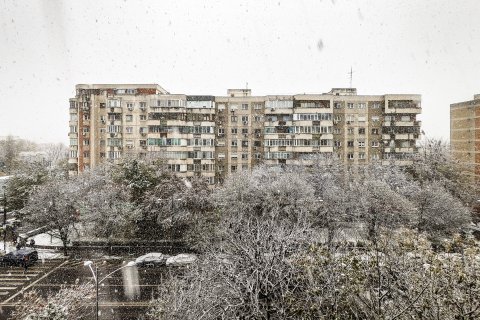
[465, 134]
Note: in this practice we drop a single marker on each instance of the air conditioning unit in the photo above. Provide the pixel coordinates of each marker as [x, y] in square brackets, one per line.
[130, 108]
[112, 109]
[245, 123]
[129, 146]
[103, 121]
[348, 122]
[84, 134]
[272, 108]
[143, 108]
[144, 146]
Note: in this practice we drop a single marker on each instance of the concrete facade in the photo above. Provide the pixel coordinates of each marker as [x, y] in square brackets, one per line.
[214, 136]
[465, 134]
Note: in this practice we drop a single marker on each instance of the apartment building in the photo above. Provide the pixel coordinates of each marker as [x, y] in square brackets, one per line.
[465, 134]
[214, 136]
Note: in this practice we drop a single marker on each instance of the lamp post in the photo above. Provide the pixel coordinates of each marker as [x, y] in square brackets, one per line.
[4, 220]
[97, 282]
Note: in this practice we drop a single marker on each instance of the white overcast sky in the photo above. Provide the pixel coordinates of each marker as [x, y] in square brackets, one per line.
[428, 47]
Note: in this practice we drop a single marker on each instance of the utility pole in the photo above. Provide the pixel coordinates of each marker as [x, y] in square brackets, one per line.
[351, 76]
[4, 220]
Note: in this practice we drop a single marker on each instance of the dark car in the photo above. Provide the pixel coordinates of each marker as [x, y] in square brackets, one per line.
[19, 257]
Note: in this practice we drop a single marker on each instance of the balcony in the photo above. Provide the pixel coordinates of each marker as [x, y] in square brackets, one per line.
[405, 150]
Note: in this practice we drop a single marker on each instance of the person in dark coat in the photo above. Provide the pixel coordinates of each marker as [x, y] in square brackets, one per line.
[25, 263]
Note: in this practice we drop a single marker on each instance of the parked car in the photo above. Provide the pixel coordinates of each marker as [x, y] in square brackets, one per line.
[152, 259]
[17, 258]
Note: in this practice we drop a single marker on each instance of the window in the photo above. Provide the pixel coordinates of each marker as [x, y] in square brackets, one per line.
[350, 130]
[376, 105]
[350, 143]
[337, 117]
[143, 143]
[143, 105]
[362, 119]
[375, 156]
[234, 131]
[86, 129]
[374, 130]
[129, 118]
[361, 105]
[113, 103]
[337, 131]
[375, 144]
[233, 118]
[350, 118]
[361, 155]
[245, 119]
[244, 106]
[350, 105]
[221, 131]
[73, 142]
[86, 116]
[73, 129]
[86, 142]
[361, 144]
[337, 105]
[234, 143]
[361, 130]
[233, 168]
[257, 118]
[350, 156]
[257, 106]
[257, 156]
[375, 118]
[338, 143]
[244, 143]
[130, 106]
[244, 156]
[143, 117]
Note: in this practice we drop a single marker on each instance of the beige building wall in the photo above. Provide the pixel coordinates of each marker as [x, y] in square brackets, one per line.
[465, 134]
[214, 136]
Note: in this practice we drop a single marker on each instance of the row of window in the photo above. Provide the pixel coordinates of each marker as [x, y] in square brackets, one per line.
[297, 142]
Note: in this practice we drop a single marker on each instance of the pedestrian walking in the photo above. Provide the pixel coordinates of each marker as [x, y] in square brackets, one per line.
[25, 263]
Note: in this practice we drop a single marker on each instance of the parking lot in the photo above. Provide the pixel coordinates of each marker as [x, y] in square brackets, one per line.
[125, 294]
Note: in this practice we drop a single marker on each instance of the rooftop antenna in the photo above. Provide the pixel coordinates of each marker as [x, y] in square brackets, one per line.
[351, 76]
[246, 85]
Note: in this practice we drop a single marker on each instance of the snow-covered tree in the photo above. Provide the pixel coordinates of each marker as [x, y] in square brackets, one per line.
[68, 303]
[55, 207]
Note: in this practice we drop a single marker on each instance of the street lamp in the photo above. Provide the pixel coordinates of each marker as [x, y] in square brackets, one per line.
[97, 282]
[4, 220]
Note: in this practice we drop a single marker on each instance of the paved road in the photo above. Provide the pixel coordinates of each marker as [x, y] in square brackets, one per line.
[124, 295]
